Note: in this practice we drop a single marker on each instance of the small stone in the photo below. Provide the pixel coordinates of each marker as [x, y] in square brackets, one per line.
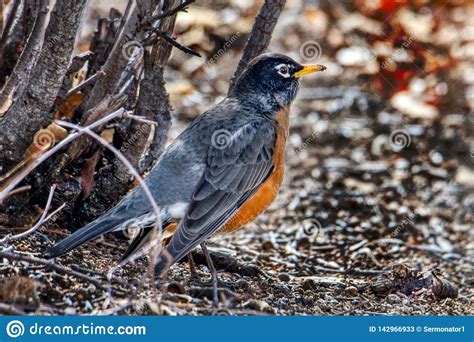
[258, 305]
[70, 311]
[281, 289]
[393, 298]
[309, 284]
[284, 277]
[351, 291]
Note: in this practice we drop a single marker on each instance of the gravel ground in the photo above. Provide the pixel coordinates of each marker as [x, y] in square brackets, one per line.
[375, 215]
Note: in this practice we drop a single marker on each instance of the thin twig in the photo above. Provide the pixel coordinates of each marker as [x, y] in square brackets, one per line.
[141, 119]
[5, 190]
[158, 225]
[175, 43]
[181, 7]
[51, 264]
[10, 309]
[1, 17]
[91, 80]
[124, 160]
[40, 222]
[20, 189]
[125, 16]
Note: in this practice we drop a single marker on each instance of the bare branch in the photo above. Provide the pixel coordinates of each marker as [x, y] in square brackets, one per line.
[153, 101]
[153, 105]
[260, 36]
[175, 43]
[181, 7]
[44, 218]
[7, 188]
[1, 17]
[19, 190]
[10, 309]
[140, 119]
[124, 160]
[20, 74]
[113, 67]
[91, 80]
[52, 265]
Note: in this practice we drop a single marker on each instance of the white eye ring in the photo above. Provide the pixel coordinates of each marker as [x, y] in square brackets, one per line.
[283, 70]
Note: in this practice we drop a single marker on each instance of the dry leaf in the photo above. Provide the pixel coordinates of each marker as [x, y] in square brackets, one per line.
[443, 288]
[87, 174]
[67, 108]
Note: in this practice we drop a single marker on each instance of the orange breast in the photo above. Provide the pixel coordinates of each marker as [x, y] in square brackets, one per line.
[269, 189]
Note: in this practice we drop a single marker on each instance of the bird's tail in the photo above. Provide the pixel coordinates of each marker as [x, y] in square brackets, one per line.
[94, 229]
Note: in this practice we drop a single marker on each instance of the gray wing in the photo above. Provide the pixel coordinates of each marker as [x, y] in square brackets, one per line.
[232, 175]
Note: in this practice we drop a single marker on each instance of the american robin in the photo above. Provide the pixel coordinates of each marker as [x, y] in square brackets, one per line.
[219, 174]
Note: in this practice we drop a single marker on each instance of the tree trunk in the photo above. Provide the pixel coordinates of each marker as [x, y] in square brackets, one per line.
[31, 111]
[260, 36]
[153, 104]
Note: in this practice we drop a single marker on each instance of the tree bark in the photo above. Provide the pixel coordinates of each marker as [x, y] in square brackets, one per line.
[31, 110]
[12, 36]
[260, 36]
[153, 104]
[153, 101]
[113, 67]
[21, 72]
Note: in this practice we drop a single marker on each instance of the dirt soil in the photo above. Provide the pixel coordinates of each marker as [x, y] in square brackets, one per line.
[375, 216]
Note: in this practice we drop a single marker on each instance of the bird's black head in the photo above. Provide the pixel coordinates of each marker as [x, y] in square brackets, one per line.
[272, 79]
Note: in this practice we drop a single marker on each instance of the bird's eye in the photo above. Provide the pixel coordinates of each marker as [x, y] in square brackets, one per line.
[283, 70]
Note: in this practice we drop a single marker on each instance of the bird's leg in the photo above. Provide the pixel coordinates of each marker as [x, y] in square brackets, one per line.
[213, 273]
[192, 267]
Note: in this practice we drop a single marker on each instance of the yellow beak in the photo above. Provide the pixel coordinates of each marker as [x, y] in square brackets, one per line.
[309, 69]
